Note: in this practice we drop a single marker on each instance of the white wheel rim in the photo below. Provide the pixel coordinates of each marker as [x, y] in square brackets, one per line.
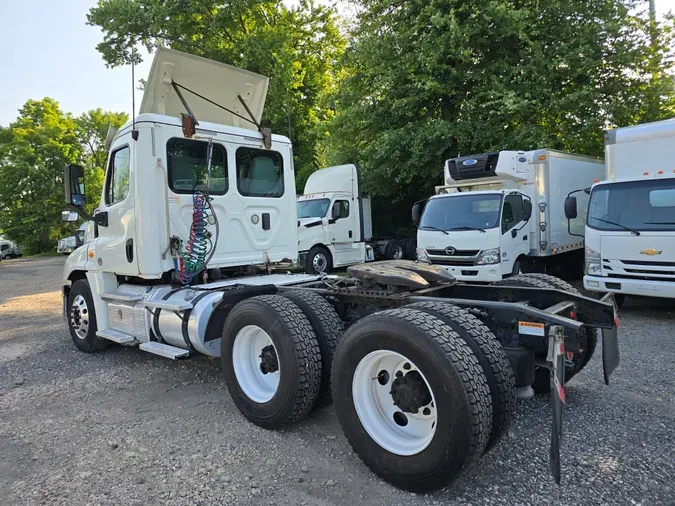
[79, 317]
[248, 345]
[375, 407]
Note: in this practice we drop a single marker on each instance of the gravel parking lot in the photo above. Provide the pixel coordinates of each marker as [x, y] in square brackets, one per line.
[126, 427]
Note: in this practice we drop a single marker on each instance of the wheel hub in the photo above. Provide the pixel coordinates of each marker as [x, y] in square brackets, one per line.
[320, 263]
[269, 362]
[410, 392]
[79, 317]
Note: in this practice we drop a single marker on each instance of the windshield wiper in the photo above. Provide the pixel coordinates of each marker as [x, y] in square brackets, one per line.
[660, 222]
[431, 227]
[467, 228]
[636, 232]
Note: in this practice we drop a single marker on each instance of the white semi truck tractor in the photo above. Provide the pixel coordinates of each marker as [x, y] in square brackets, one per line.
[630, 223]
[197, 217]
[501, 214]
[335, 227]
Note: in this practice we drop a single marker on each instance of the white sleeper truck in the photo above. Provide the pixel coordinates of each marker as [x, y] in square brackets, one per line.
[630, 223]
[335, 227]
[199, 208]
[502, 214]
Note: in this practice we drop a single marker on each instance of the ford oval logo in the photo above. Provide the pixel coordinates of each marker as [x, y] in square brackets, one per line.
[450, 251]
[470, 162]
[522, 159]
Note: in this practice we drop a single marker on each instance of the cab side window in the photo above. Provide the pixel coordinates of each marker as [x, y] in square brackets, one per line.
[512, 213]
[343, 208]
[259, 173]
[117, 185]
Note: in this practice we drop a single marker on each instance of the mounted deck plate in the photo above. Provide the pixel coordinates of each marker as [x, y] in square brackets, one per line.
[400, 273]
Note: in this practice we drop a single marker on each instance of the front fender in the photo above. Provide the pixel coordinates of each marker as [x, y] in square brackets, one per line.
[78, 260]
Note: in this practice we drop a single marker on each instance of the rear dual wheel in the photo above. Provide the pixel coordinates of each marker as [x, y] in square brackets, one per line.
[276, 354]
[411, 397]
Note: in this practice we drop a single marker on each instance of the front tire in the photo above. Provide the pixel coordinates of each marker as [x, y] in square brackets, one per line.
[319, 261]
[411, 398]
[82, 319]
[394, 250]
[271, 361]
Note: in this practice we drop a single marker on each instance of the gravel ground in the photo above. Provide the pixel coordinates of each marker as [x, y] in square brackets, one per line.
[125, 427]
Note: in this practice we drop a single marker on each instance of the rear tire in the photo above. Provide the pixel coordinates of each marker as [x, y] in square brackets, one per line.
[328, 329]
[491, 357]
[394, 250]
[449, 385]
[265, 336]
[82, 319]
[411, 248]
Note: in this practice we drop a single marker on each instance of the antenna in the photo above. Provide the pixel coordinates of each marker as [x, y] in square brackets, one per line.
[134, 132]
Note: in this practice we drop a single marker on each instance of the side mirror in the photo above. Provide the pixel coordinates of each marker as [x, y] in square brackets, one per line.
[527, 210]
[416, 214]
[69, 216]
[73, 179]
[571, 208]
[335, 212]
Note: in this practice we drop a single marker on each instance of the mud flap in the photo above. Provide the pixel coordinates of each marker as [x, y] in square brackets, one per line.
[556, 363]
[610, 343]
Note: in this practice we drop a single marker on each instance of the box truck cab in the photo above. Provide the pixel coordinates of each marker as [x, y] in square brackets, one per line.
[334, 220]
[630, 225]
[500, 214]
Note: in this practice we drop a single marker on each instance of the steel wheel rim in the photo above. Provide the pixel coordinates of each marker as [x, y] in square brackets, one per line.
[79, 317]
[248, 346]
[398, 252]
[375, 407]
[320, 262]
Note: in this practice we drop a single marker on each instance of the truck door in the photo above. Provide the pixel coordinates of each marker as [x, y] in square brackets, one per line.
[343, 231]
[115, 248]
[515, 238]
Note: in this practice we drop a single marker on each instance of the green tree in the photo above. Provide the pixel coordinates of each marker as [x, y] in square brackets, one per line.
[298, 48]
[92, 130]
[426, 80]
[33, 151]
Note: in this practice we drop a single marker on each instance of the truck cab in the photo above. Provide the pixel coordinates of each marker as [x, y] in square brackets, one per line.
[630, 224]
[501, 213]
[333, 220]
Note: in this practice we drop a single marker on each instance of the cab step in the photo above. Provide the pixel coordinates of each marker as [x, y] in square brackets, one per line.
[120, 297]
[116, 337]
[168, 305]
[164, 350]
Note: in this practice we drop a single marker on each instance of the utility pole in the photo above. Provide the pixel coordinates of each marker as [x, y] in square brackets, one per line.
[652, 21]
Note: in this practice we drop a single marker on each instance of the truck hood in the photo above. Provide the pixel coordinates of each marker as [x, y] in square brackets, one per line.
[647, 247]
[461, 240]
[215, 81]
[303, 222]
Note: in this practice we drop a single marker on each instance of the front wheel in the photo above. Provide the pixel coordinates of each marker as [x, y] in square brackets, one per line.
[82, 318]
[319, 261]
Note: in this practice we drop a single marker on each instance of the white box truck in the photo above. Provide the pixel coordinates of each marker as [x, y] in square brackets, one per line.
[9, 249]
[198, 198]
[502, 213]
[335, 227]
[630, 224]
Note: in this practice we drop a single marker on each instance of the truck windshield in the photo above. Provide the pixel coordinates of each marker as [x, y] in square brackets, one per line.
[316, 208]
[637, 205]
[462, 212]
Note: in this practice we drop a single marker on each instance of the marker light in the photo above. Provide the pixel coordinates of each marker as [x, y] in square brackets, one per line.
[596, 181]
[542, 157]
[645, 173]
[660, 172]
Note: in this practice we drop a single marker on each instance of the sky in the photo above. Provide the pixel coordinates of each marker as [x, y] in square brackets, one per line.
[49, 51]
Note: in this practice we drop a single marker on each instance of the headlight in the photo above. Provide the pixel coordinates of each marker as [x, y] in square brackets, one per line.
[592, 267]
[422, 255]
[489, 256]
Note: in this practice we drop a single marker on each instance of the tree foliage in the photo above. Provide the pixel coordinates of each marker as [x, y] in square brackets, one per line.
[34, 149]
[426, 80]
[297, 48]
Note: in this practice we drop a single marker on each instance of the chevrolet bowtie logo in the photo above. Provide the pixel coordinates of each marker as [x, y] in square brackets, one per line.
[651, 252]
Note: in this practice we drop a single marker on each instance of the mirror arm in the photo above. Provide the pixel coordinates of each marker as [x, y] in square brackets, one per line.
[100, 219]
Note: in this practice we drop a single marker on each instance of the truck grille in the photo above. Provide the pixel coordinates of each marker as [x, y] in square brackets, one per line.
[639, 269]
[458, 253]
